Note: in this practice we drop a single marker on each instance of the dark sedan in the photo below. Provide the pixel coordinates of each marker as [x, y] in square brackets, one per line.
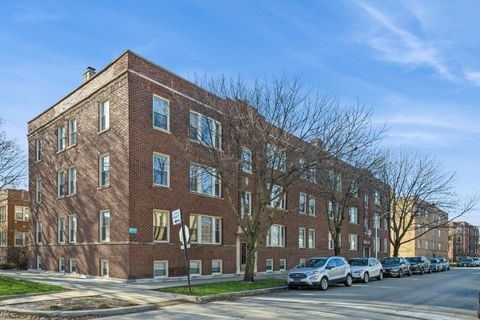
[436, 265]
[419, 265]
[396, 267]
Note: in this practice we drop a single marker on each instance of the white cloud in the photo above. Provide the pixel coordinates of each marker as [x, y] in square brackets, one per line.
[473, 77]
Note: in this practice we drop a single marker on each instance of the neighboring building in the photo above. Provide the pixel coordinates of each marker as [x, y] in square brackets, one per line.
[429, 240]
[463, 240]
[106, 170]
[14, 223]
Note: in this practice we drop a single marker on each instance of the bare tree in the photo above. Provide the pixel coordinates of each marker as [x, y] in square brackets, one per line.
[417, 183]
[12, 161]
[259, 146]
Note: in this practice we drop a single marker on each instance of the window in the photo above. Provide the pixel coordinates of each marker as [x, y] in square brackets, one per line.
[301, 237]
[302, 203]
[73, 265]
[377, 243]
[39, 263]
[161, 113]
[312, 175]
[311, 238]
[72, 135]
[205, 229]
[61, 265]
[105, 226]
[61, 184]
[385, 223]
[216, 266]
[377, 198]
[331, 243]
[205, 130]
[246, 203]
[161, 170]
[61, 138]
[72, 227]
[195, 267]
[20, 239]
[365, 223]
[276, 236]
[385, 245]
[246, 160]
[38, 232]
[61, 230]
[311, 205]
[353, 213]
[269, 265]
[439, 248]
[38, 149]
[353, 242]
[104, 171]
[72, 181]
[302, 263]
[282, 263]
[3, 213]
[160, 269]
[365, 201]
[160, 226]
[276, 158]
[302, 169]
[338, 182]
[354, 189]
[205, 180]
[38, 191]
[330, 209]
[104, 268]
[3, 238]
[104, 116]
[426, 244]
[278, 198]
[22, 213]
[376, 221]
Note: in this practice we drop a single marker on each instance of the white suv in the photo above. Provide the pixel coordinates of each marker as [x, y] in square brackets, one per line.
[364, 269]
[320, 272]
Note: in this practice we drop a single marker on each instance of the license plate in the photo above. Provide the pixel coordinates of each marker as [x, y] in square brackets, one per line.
[296, 280]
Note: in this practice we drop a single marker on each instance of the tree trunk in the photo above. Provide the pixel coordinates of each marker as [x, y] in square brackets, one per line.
[396, 248]
[250, 267]
[338, 250]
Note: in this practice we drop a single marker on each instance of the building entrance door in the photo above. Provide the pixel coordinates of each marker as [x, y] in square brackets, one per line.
[366, 252]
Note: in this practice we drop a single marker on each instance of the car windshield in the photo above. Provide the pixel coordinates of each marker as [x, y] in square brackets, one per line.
[391, 261]
[315, 263]
[358, 262]
[466, 260]
[434, 260]
[415, 259]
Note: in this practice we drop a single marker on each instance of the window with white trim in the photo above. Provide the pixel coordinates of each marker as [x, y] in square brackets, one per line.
[282, 263]
[72, 229]
[22, 213]
[104, 268]
[161, 113]
[353, 242]
[302, 168]
[246, 203]
[354, 189]
[72, 181]
[302, 262]
[276, 236]
[105, 226]
[377, 243]
[331, 243]
[205, 229]
[205, 130]
[160, 269]
[377, 198]
[269, 265]
[330, 209]
[217, 266]
[311, 238]
[161, 170]
[38, 149]
[38, 190]
[61, 183]
[104, 116]
[73, 265]
[302, 202]
[312, 174]
[385, 223]
[39, 263]
[276, 158]
[246, 160]
[72, 132]
[311, 205]
[376, 221]
[365, 201]
[3, 213]
[353, 214]
[21, 239]
[278, 197]
[205, 180]
[61, 137]
[104, 171]
[195, 267]
[385, 245]
[38, 232]
[161, 232]
[301, 237]
[61, 264]
[61, 230]
[3, 238]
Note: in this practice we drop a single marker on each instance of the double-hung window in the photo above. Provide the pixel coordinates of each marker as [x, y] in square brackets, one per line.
[312, 174]
[160, 269]
[104, 268]
[205, 130]
[160, 226]
[38, 149]
[311, 205]
[246, 203]
[353, 242]
[3, 213]
[205, 180]
[276, 158]
[354, 189]
[104, 116]
[330, 209]
[72, 181]
[353, 213]
[61, 137]
[105, 226]
[205, 229]
[278, 197]
[161, 113]
[61, 183]
[302, 203]
[276, 236]
[331, 242]
[22, 213]
[246, 160]
[3, 238]
[72, 229]
[38, 191]
[161, 170]
[21, 239]
[38, 232]
[104, 171]
[217, 266]
[72, 132]
[61, 230]
[376, 221]
[301, 237]
[311, 238]
[377, 198]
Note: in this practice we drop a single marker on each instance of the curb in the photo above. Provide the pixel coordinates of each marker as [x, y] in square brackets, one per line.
[26, 295]
[232, 295]
[80, 313]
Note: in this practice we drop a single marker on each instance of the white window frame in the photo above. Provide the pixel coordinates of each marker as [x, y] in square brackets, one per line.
[279, 162]
[376, 221]
[61, 138]
[274, 198]
[102, 269]
[101, 169]
[301, 239]
[38, 150]
[72, 132]
[331, 242]
[268, 262]
[104, 231]
[24, 237]
[377, 243]
[167, 225]
[72, 240]
[216, 132]
[311, 209]
[385, 223]
[61, 263]
[3, 213]
[282, 262]
[376, 197]
[59, 184]
[25, 213]
[38, 191]
[71, 262]
[39, 263]
[281, 236]
[221, 266]
[353, 242]
[167, 167]
[353, 215]
[311, 241]
[167, 129]
[246, 198]
[104, 112]
[199, 233]
[196, 173]
[72, 181]
[3, 238]
[199, 267]
[247, 160]
[330, 212]
[61, 231]
[385, 245]
[38, 232]
[302, 203]
[158, 262]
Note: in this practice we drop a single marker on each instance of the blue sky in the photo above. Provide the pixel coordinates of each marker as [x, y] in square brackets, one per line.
[417, 63]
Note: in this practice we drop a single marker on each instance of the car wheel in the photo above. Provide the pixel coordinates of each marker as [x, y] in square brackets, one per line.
[430, 270]
[324, 284]
[348, 280]
[422, 271]
[366, 277]
[400, 273]
[410, 272]
[380, 276]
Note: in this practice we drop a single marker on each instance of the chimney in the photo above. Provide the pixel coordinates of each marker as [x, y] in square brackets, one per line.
[88, 74]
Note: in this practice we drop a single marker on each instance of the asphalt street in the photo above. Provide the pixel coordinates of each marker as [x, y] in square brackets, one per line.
[446, 295]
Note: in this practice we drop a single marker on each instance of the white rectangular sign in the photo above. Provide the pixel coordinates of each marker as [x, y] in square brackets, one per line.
[176, 217]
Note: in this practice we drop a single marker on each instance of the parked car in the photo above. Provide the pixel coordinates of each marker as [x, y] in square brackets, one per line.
[435, 265]
[364, 269]
[477, 261]
[320, 272]
[445, 264]
[396, 267]
[419, 264]
[467, 262]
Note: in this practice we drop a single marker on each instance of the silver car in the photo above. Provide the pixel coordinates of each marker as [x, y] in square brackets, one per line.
[320, 272]
[364, 269]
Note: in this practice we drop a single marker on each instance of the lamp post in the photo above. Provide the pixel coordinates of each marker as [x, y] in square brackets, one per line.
[376, 233]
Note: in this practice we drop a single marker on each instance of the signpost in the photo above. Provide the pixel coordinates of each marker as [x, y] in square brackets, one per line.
[184, 235]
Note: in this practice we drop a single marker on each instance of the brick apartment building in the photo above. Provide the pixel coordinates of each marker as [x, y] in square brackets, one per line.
[14, 223]
[106, 171]
[430, 242]
[463, 240]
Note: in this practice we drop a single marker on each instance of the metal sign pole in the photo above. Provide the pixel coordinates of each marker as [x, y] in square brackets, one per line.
[187, 264]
